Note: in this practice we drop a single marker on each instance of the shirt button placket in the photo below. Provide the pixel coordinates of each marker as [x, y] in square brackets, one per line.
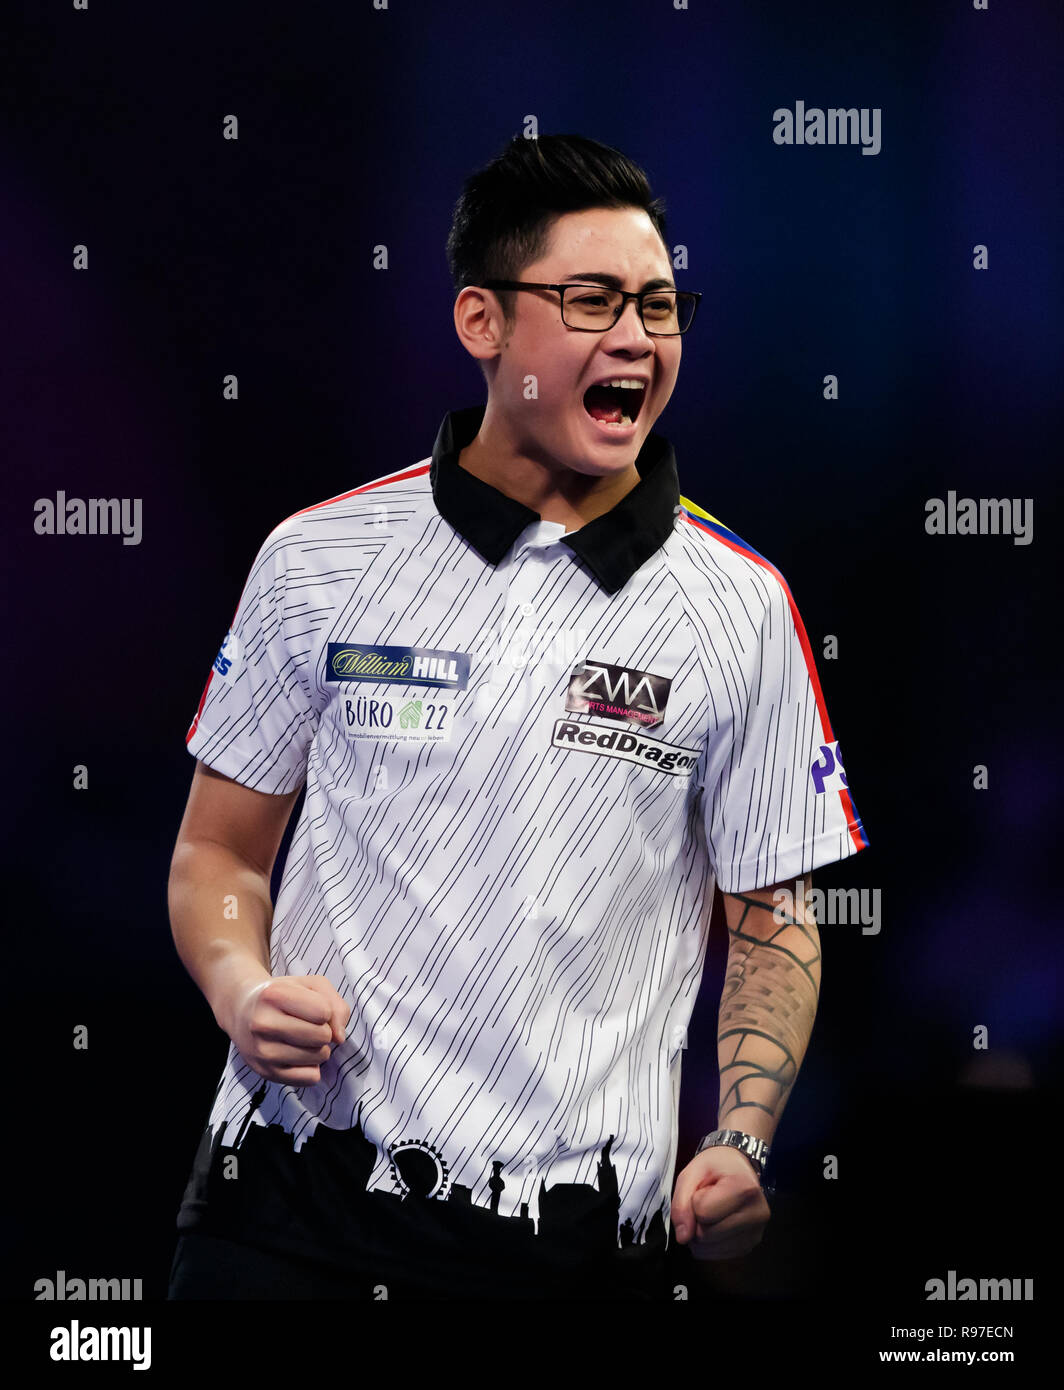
[521, 650]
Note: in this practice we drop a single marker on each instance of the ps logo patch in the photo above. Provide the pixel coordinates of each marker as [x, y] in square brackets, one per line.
[618, 692]
[228, 657]
[828, 774]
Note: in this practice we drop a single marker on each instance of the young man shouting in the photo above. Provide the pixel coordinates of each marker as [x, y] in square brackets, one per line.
[541, 704]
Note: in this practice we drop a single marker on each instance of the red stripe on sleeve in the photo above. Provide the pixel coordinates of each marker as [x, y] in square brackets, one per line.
[856, 835]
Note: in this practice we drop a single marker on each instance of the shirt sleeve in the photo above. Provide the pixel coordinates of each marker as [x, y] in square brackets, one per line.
[777, 802]
[256, 720]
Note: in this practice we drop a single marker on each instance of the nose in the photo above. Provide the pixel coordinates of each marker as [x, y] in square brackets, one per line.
[629, 330]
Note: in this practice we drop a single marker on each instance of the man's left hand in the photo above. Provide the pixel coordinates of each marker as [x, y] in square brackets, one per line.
[718, 1208]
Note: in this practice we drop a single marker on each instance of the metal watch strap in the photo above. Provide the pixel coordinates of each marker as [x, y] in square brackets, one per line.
[756, 1150]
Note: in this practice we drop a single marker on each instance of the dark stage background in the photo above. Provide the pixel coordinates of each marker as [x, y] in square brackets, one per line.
[254, 256]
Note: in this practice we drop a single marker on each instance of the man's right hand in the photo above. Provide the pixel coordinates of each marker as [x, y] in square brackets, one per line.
[286, 1026]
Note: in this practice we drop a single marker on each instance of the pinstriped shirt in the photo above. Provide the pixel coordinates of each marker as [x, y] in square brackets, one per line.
[528, 755]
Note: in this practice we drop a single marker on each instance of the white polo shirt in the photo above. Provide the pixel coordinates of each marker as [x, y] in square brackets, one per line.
[528, 756]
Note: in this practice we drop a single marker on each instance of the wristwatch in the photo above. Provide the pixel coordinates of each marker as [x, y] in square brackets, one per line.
[755, 1149]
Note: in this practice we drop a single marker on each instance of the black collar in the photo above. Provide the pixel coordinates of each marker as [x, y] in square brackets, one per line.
[613, 545]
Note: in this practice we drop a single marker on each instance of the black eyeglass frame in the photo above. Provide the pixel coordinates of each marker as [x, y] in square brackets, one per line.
[637, 295]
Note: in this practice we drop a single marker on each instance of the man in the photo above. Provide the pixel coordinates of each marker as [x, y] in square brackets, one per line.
[540, 704]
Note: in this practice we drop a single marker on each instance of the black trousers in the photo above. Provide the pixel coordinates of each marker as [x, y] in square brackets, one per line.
[212, 1267]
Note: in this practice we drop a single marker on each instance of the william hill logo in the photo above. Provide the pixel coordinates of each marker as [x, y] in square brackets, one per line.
[353, 661]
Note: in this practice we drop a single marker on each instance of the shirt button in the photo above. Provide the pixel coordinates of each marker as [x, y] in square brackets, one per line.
[528, 610]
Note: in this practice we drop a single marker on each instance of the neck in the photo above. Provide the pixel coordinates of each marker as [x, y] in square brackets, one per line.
[557, 493]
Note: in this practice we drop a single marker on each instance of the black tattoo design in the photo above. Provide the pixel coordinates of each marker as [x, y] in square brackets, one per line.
[767, 1007]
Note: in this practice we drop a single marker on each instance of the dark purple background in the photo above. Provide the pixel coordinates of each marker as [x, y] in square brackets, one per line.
[255, 257]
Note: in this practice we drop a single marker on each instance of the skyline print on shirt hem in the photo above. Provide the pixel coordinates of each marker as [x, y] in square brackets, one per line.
[317, 1196]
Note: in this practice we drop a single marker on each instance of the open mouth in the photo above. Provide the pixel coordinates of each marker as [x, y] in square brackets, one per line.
[614, 405]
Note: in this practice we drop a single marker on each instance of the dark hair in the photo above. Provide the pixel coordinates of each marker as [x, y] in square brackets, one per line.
[502, 221]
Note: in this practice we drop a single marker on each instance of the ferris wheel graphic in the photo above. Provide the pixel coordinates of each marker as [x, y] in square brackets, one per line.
[418, 1169]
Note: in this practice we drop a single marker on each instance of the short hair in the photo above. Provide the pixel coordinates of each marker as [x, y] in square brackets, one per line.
[503, 220]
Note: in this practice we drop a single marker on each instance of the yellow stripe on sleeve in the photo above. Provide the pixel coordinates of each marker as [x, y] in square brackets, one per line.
[698, 511]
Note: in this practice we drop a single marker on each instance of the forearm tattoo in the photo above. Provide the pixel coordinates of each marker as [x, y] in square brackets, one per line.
[767, 1007]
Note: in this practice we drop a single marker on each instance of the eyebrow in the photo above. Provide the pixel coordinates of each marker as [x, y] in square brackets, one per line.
[614, 282]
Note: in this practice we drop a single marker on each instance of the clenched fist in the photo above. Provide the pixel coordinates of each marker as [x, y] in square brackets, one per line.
[286, 1026]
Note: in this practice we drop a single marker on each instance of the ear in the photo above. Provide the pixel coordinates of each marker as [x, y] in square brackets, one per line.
[479, 322]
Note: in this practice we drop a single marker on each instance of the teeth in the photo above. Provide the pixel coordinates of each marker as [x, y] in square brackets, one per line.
[629, 383]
